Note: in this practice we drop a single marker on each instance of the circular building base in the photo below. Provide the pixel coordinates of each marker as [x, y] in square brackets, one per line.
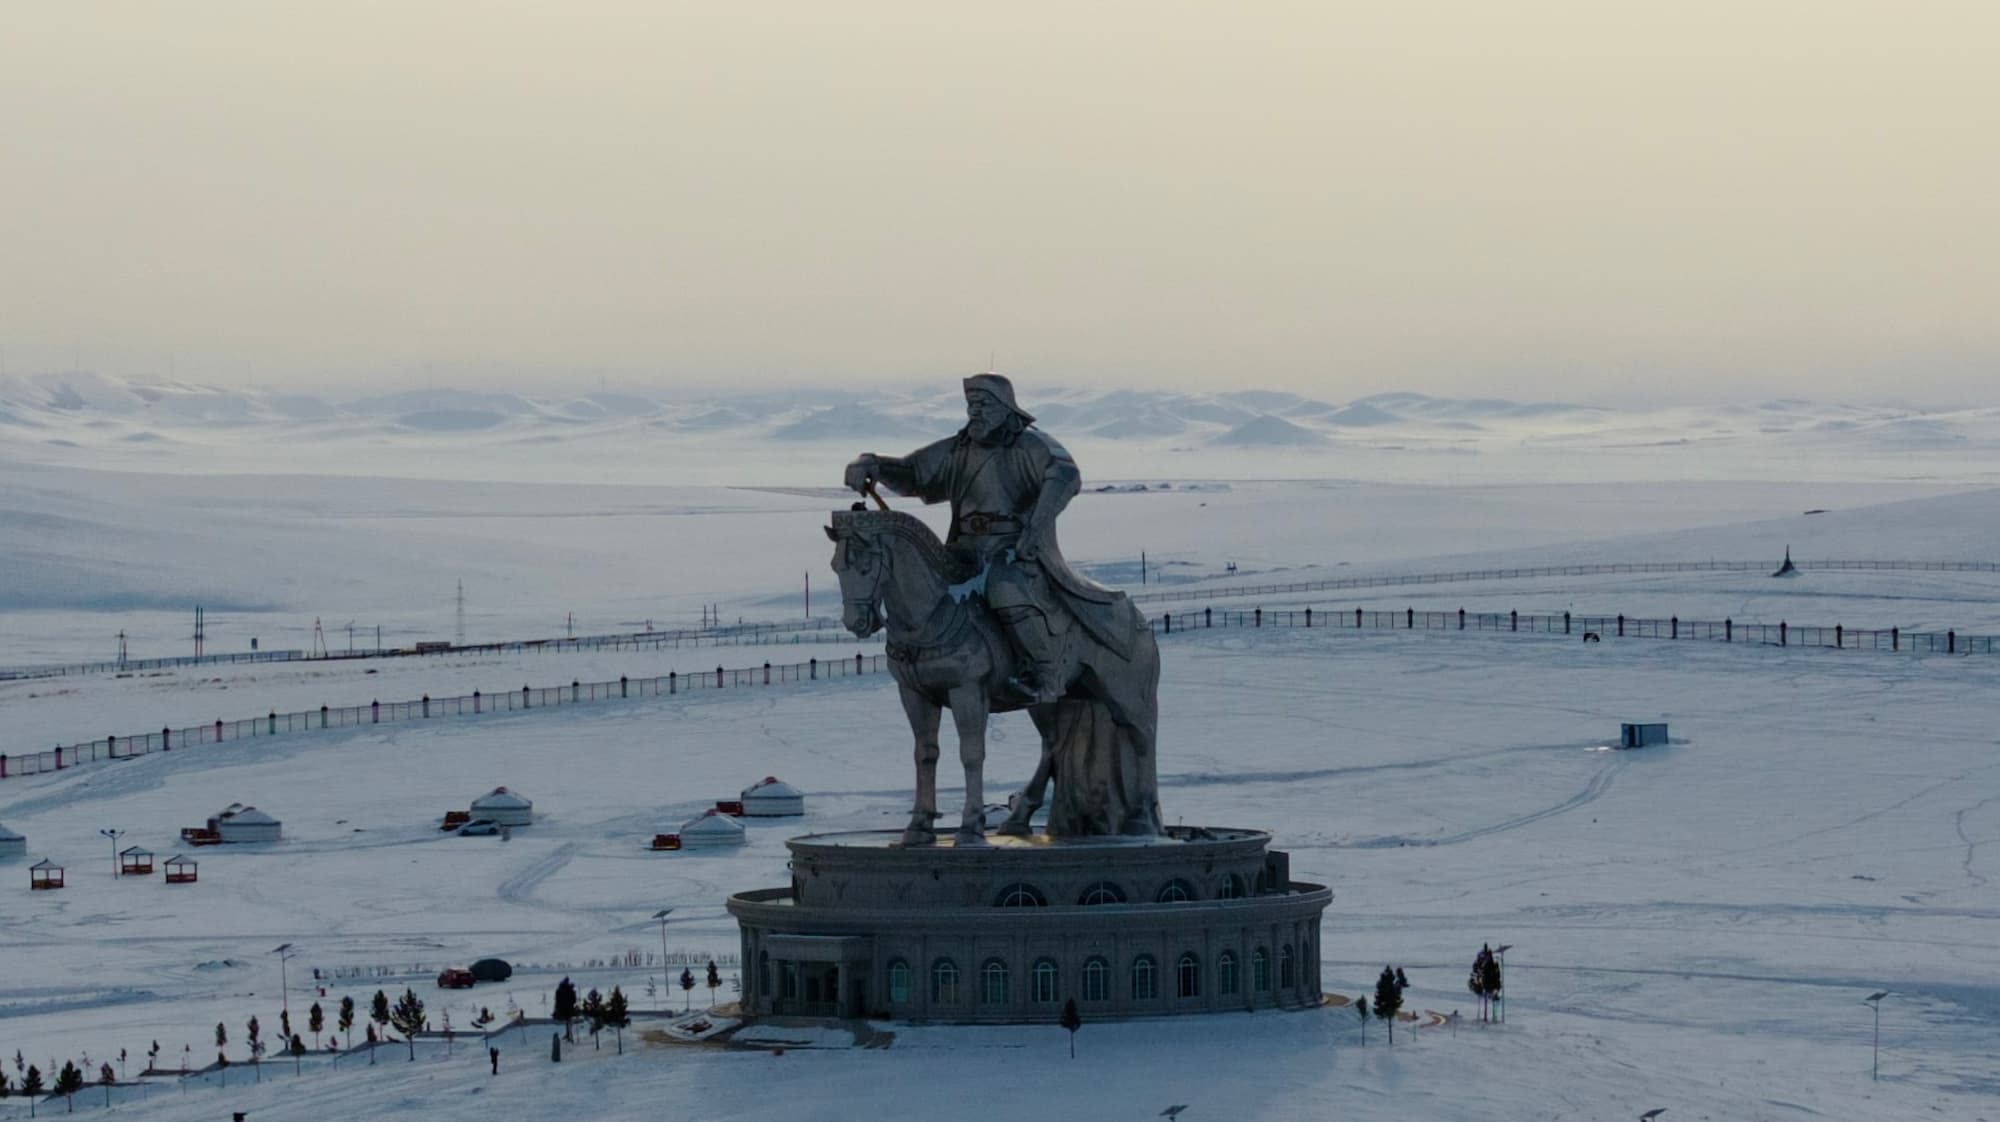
[1197, 920]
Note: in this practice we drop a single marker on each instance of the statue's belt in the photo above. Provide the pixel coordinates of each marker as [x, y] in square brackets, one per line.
[980, 522]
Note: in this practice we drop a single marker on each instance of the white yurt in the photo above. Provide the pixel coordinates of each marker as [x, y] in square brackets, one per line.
[711, 828]
[508, 808]
[771, 797]
[241, 823]
[12, 844]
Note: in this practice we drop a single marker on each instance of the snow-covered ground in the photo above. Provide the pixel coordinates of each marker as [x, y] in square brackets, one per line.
[1693, 926]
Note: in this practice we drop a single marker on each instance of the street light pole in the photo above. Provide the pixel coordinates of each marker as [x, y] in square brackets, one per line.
[1874, 1001]
[662, 915]
[284, 952]
[114, 835]
[1500, 953]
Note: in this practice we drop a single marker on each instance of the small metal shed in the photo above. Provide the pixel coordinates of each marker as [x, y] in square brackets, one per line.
[181, 870]
[1632, 735]
[45, 874]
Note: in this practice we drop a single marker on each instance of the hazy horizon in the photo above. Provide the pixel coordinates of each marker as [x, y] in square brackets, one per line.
[1550, 201]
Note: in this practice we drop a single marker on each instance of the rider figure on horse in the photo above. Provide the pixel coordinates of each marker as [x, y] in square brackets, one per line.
[1006, 481]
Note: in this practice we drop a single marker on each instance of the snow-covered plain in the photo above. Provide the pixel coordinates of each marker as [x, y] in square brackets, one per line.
[1693, 926]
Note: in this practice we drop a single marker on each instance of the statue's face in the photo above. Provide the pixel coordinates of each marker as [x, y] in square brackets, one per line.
[986, 416]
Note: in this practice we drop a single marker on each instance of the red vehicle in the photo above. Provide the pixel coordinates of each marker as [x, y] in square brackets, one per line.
[455, 978]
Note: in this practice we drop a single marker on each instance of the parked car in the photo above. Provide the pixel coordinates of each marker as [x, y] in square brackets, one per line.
[479, 828]
[455, 978]
[492, 970]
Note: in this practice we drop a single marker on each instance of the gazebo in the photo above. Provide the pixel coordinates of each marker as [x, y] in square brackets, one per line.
[135, 861]
[180, 870]
[12, 844]
[45, 874]
[507, 808]
[771, 797]
[709, 829]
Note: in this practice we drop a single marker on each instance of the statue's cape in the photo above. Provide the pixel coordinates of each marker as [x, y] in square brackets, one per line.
[1106, 613]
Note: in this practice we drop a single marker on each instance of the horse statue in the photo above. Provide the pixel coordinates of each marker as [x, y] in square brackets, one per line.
[946, 651]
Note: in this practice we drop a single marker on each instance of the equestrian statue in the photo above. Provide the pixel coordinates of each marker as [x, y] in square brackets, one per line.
[992, 619]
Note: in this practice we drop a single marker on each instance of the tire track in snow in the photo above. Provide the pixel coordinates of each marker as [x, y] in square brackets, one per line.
[519, 888]
[1599, 783]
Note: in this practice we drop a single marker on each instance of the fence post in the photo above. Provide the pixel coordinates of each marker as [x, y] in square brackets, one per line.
[767, 673]
[1514, 619]
[273, 726]
[1260, 618]
[322, 714]
[525, 696]
[1409, 619]
[718, 674]
[1167, 622]
[1895, 639]
[475, 702]
[858, 668]
[671, 680]
[812, 668]
[1357, 619]
[3, 765]
[1309, 618]
[621, 686]
[1951, 642]
[1208, 617]
[1781, 633]
[1729, 631]
[375, 711]
[1461, 619]
[1839, 636]
[58, 757]
[1565, 623]
[1674, 626]
[575, 691]
[166, 740]
[110, 745]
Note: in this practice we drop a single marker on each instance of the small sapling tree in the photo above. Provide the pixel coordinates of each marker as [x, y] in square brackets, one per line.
[346, 1021]
[714, 982]
[1477, 981]
[107, 1079]
[4, 1085]
[1492, 983]
[315, 1022]
[31, 1087]
[1388, 1001]
[221, 1043]
[687, 989]
[1361, 1012]
[297, 1048]
[256, 1041]
[378, 1012]
[1071, 1021]
[593, 1012]
[68, 1082]
[618, 1014]
[408, 1017]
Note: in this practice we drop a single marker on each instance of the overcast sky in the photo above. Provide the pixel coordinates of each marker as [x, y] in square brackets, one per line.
[1589, 199]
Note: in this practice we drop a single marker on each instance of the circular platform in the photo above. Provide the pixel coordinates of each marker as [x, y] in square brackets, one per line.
[1196, 920]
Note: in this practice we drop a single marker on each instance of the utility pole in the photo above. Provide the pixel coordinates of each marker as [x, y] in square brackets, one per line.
[114, 835]
[458, 636]
[1142, 566]
[809, 596]
[121, 649]
[199, 634]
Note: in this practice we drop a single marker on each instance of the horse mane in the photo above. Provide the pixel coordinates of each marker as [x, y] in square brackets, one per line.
[906, 526]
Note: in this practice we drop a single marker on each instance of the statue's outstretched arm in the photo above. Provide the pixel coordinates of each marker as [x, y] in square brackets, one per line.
[896, 473]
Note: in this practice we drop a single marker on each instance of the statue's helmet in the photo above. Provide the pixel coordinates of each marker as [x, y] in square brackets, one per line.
[999, 387]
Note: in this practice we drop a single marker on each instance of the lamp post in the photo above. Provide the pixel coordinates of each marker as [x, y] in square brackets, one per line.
[284, 952]
[662, 915]
[114, 835]
[1874, 1001]
[1500, 953]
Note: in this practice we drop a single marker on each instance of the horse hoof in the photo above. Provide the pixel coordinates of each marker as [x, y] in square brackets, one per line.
[916, 837]
[1013, 829]
[968, 838]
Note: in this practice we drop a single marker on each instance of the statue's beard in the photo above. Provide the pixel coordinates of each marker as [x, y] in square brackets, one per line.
[986, 431]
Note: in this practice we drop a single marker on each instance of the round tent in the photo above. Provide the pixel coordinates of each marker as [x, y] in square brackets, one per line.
[508, 808]
[711, 828]
[247, 824]
[12, 844]
[771, 797]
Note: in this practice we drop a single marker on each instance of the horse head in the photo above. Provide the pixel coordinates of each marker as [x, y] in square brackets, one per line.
[861, 563]
[865, 544]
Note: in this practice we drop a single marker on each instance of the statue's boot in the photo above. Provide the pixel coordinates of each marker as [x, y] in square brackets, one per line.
[1040, 680]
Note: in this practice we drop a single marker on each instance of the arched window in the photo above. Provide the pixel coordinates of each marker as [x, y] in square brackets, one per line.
[1021, 896]
[944, 982]
[790, 972]
[1103, 892]
[1175, 891]
[899, 981]
[1043, 982]
[1096, 980]
[1225, 973]
[764, 972]
[1187, 976]
[1263, 883]
[993, 983]
[1260, 971]
[1230, 887]
[1288, 972]
[1145, 980]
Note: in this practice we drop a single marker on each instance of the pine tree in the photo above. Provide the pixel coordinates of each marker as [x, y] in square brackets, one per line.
[618, 1014]
[346, 1022]
[593, 1011]
[107, 1078]
[1361, 1010]
[1477, 982]
[1491, 982]
[1388, 1000]
[68, 1082]
[31, 1087]
[284, 1025]
[221, 1042]
[565, 1010]
[4, 1085]
[687, 988]
[315, 1022]
[408, 1017]
[378, 1012]
[256, 1041]
[1071, 1021]
[714, 982]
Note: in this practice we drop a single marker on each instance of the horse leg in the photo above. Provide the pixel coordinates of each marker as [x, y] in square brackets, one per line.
[968, 713]
[924, 718]
[1030, 798]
